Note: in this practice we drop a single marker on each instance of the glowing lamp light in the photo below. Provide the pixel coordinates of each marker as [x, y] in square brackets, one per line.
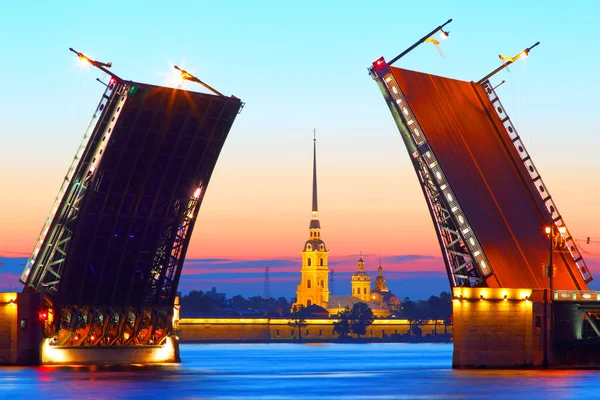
[379, 62]
[524, 55]
[83, 61]
[197, 193]
[548, 229]
[562, 230]
[444, 35]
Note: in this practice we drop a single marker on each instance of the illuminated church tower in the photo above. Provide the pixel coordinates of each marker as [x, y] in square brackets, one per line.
[361, 283]
[314, 286]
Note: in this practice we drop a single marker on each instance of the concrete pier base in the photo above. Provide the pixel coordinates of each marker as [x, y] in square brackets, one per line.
[20, 328]
[58, 355]
[513, 329]
[22, 341]
[496, 328]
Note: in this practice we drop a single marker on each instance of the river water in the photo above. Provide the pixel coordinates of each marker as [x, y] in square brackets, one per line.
[299, 371]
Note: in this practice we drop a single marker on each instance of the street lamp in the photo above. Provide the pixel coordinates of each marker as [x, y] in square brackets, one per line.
[443, 35]
[186, 76]
[506, 61]
[555, 240]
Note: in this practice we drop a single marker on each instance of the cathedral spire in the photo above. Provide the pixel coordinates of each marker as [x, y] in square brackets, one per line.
[315, 205]
[315, 225]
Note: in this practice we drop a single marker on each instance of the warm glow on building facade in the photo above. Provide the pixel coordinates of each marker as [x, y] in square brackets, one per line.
[361, 283]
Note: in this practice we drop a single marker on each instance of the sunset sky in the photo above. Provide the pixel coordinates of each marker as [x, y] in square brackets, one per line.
[299, 67]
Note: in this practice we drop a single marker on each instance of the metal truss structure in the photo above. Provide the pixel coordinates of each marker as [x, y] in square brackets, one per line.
[48, 257]
[466, 263]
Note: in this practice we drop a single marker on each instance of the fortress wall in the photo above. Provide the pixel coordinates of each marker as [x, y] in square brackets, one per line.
[227, 329]
[259, 329]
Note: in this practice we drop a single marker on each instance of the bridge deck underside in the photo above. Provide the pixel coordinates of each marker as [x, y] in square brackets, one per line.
[165, 143]
[487, 176]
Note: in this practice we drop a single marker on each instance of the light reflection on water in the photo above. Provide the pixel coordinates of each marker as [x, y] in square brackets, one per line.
[297, 371]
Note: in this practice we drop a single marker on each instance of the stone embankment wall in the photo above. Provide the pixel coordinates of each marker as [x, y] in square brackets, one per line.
[20, 328]
[8, 328]
[273, 329]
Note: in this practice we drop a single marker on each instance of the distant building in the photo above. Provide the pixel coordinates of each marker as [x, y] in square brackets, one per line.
[382, 295]
[313, 289]
[361, 292]
[361, 282]
[220, 298]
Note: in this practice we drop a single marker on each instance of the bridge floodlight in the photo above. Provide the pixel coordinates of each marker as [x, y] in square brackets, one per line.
[506, 61]
[186, 76]
[85, 60]
[444, 34]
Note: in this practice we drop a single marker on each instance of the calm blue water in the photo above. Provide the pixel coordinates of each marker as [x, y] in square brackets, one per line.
[300, 371]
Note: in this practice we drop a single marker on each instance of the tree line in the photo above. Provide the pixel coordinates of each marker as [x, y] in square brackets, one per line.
[435, 308]
[211, 303]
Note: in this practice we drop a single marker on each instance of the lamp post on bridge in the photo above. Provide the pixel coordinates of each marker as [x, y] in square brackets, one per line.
[555, 240]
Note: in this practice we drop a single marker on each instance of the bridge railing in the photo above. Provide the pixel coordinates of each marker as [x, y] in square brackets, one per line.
[576, 295]
[536, 181]
[100, 109]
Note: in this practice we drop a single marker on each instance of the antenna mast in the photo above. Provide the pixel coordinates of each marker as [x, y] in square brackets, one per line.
[267, 293]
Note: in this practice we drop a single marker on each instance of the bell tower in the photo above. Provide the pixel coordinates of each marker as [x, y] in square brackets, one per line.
[314, 284]
[361, 283]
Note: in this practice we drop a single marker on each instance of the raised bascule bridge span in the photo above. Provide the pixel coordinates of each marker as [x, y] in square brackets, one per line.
[108, 260]
[497, 224]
